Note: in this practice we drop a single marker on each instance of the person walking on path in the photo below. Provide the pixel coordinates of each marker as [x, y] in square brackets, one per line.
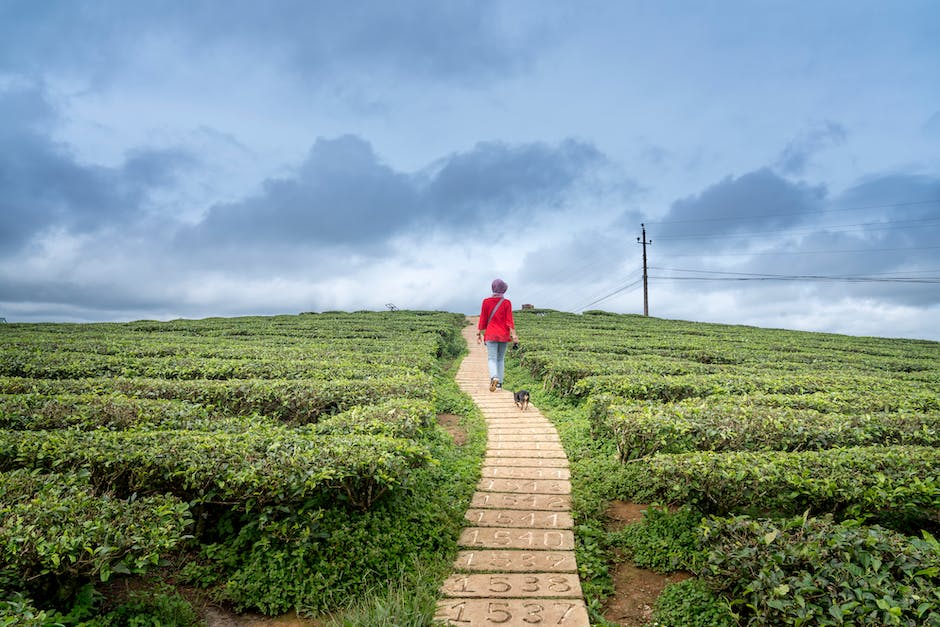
[496, 328]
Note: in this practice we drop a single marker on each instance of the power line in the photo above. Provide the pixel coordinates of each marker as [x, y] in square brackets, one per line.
[801, 213]
[807, 277]
[746, 276]
[809, 252]
[603, 296]
[838, 228]
[758, 274]
[600, 256]
[634, 284]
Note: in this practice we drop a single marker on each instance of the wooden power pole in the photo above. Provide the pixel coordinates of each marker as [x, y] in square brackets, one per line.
[646, 297]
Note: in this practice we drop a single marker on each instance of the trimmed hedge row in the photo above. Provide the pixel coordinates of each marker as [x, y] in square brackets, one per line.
[900, 482]
[735, 425]
[95, 411]
[268, 464]
[612, 338]
[857, 393]
[188, 367]
[397, 417]
[294, 401]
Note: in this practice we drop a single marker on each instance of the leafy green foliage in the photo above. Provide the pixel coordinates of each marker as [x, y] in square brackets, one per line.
[806, 571]
[739, 425]
[56, 530]
[663, 541]
[294, 401]
[900, 481]
[157, 606]
[17, 609]
[255, 467]
[727, 419]
[317, 558]
[305, 446]
[691, 603]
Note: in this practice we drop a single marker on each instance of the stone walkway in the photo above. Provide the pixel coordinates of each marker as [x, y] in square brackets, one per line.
[516, 565]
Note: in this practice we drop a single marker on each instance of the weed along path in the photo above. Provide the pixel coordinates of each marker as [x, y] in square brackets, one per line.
[516, 565]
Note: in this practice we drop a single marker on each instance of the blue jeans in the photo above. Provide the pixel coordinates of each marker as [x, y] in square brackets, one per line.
[496, 359]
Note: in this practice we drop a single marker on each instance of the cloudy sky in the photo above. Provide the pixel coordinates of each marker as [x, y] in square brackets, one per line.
[169, 158]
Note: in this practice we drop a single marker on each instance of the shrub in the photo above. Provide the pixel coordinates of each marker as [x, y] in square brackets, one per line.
[691, 603]
[900, 482]
[663, 541]
[56, 531]
[813, 571]
[738, 425]
[269, 464]
[158, 606]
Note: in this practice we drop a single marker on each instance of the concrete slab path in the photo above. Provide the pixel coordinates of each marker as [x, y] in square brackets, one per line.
[516, 566]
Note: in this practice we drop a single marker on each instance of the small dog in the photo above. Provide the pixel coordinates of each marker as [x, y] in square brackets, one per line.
[522, 399]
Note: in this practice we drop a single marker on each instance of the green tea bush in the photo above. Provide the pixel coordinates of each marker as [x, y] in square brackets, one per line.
[262, 466]
[19, 611]
[316, 557]
[56, 530]
[298, 401]
[396, 418]
[738, 425]
[96, 411]
[814, 571]
[896, 481]
[863, 393]
[157, 606]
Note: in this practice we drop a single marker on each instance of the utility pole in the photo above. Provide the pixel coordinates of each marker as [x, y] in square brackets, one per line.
[646, 297]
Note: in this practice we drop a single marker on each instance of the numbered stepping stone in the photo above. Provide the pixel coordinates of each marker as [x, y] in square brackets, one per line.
[519, 518]
[550, 585]
[509, 560]
[524, 486]
[513, 612]
[530, 462]
[528, 539]
[522, 452]
[500, 471]
[504, 500]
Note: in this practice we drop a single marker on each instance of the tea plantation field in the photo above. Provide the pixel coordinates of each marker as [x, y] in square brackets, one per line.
[264, 464]
[798, 473]
[270, 464]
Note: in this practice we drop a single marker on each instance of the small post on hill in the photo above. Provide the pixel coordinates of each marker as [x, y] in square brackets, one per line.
[646, 298]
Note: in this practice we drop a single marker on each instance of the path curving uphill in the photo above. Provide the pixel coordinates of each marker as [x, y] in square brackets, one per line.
[516, 565]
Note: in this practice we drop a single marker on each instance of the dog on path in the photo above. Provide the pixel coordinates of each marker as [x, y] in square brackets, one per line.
[522, 399]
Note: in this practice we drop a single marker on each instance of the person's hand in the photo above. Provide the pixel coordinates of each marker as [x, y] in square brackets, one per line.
[479, 338]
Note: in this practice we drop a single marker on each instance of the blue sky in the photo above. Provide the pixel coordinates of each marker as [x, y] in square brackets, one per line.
[164, 159]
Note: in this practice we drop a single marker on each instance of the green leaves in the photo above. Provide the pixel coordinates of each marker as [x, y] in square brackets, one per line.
[852, 482]
[738, 424]
[823, 572]
[58, 525]
[263, 428]
[731, 420]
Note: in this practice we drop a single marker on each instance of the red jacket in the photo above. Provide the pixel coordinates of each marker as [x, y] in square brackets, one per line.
[498, 329]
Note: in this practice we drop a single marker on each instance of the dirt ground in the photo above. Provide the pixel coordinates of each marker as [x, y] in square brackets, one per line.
[635, 589]
[451, 424]
[214, 617]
